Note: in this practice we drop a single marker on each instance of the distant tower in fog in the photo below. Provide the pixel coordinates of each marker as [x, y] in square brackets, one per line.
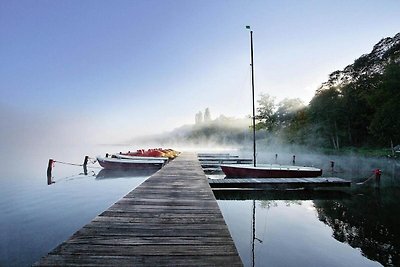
[207, 115]
[198, 119]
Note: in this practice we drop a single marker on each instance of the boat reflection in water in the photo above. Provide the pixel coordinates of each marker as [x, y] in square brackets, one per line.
[280, 194]
[122, 173]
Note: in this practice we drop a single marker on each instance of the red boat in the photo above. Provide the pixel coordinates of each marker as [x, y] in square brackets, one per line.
[154, 152]
[261, 170]
[269, 171]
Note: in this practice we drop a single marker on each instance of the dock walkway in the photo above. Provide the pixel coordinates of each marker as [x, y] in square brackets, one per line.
[172, 219]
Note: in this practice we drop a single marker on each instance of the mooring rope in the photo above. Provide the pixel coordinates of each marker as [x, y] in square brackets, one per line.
[67, 163]
[90, 161]
[369, 178]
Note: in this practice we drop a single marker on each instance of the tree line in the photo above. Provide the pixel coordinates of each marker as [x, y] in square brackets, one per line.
[362, 112]
[358, 106]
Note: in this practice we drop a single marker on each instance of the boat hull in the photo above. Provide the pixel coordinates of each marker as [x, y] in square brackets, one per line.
[269, 171]
[126, 164]
[122, 156]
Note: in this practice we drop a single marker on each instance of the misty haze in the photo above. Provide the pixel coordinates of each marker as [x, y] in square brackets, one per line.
[120, 125]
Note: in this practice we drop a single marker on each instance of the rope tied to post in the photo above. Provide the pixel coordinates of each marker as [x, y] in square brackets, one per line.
[51, 164]
[375, 174]
[67, 163]
[92, 160]
[88, 160]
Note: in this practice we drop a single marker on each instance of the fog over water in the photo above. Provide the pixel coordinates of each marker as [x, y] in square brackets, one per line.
[90, 77]
[37, 217]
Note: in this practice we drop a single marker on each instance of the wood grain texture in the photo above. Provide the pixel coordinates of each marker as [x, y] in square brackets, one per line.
[279, 183]
[172, 219]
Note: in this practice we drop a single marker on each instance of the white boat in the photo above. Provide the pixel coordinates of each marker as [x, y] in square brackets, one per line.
[121, 156]
[116, 163]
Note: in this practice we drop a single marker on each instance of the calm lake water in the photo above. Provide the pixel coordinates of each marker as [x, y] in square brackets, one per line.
[355, 228]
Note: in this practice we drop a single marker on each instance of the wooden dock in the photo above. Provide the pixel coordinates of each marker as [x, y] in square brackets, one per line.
[279, 183]
[254, 194]
[212, 163]
[172, 219]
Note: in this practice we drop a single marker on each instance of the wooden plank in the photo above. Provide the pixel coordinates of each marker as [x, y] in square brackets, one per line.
[94, 261]
[279, 183]
[172, 219]
[148, 240]
[160, 232]
[214, 162]
[215, 155]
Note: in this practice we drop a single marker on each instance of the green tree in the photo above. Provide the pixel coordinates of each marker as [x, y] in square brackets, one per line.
[298, 130]
[266, 116]
[287, 111]
[385, 124]
[358, 112]
[327, 114]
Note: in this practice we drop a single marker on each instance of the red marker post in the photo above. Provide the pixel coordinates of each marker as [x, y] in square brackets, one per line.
[378, 174]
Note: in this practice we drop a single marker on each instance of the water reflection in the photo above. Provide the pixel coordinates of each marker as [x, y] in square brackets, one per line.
[356, 227]
[102, 175]
[369, 222]
[279, 194]
[282, 228]
[51, 180]
[112, 174]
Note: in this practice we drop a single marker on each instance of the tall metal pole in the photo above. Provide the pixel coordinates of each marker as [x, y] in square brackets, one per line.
[253, 254]
[252, 94]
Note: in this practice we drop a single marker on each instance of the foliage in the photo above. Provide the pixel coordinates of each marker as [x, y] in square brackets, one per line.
[266, 115]
[385, 123]
[358, 106]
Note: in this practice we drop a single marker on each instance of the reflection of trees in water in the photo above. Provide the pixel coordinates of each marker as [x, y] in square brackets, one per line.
[266, 204]
[368, 221]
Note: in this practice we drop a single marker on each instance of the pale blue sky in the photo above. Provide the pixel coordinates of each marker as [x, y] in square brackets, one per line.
[115, 69]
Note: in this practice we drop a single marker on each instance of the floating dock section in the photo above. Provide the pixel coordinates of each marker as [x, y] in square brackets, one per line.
[280, 183]
[172, 219]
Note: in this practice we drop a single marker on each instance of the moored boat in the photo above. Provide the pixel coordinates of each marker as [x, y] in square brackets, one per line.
[122, 156]
[261, 170]
[269, 171]
[154, 152]
[115, 163]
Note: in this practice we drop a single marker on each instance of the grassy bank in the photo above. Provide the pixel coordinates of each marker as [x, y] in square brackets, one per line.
[363, 151]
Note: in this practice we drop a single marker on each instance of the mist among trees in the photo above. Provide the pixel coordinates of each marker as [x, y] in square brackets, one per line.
[358, 106]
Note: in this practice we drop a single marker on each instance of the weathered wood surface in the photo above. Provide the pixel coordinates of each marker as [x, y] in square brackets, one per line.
[215, 162]
[216, 155]
[172, 219]
[279, 183]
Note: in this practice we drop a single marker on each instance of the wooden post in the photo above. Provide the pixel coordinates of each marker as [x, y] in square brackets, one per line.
[85, 161]
[378, 173]
[49, 170]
